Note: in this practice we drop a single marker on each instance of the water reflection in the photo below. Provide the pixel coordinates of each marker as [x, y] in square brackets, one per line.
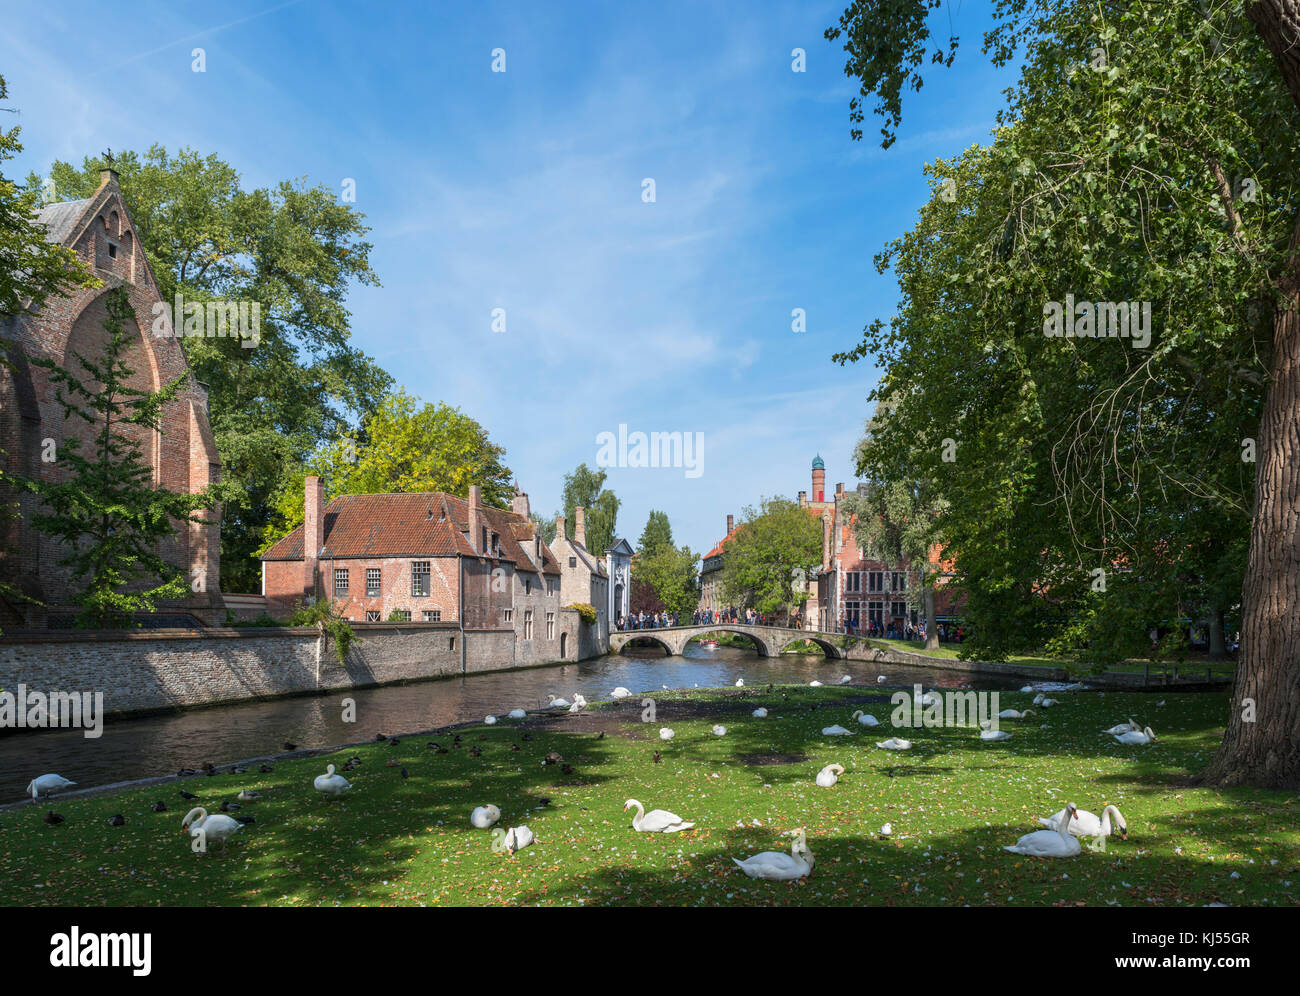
[160, 745]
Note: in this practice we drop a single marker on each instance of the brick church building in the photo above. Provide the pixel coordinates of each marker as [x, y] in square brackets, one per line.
[33, 428]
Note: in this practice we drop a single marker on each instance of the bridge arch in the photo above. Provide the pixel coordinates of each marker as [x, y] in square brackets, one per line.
[831, 651]
[649, 637]
[760, 644]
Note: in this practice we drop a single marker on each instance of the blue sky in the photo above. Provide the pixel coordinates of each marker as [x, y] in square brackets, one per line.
[522, 190]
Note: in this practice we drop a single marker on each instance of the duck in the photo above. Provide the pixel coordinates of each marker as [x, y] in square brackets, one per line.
[216, 828]
[330, 783]
[829, 775]
[117, 820]
[1049, 843]
[619, 693]
[514, 839]
[895, 743]
[1134, 737]
[759, 713]
[160, 806]
[1086, 824]
[46, 785]
[666, 733]
[53, 818]
[556, 703]
[247, 796]
[517, 714]
[866, 719]
[1013, 714]
[719, 731]
[1121, 728]
[484, 816]
[655, 821]
[489, 720]
[836, 731]
[777, 866]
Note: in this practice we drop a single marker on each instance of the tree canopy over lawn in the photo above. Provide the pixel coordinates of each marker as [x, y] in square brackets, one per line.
[1097, 487]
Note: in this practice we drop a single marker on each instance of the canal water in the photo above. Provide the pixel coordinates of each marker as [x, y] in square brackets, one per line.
[163, 744]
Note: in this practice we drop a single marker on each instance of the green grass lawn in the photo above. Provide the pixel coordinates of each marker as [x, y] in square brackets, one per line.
[1193, 667]
[953, 802]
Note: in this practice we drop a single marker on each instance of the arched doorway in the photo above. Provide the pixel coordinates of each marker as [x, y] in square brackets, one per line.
[564, 643]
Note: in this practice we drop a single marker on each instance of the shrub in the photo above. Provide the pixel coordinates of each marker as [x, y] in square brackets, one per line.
[587, 613]
[321, 615]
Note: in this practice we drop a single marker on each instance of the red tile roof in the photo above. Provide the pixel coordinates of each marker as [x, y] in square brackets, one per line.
[412, 525]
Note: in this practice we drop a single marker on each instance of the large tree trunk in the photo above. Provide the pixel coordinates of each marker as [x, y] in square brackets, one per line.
[931, 620]
[1262, 743]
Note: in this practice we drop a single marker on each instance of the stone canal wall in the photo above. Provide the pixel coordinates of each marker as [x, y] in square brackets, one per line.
[142, 671]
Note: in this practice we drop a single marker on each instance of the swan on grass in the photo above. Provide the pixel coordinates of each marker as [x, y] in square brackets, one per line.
[929, 698]
[836, 731]
[655, 821]
[579, 703]
[846, 679]
[517, 714]
[484, 816]
[514, 839]
[993, 736]
[777, 866]
[1121, 728]
[1049, 843]
[489, 720]
[330, 783]
[866, 719]
[759, 713]
[814, 684]
[719, 731]
[1134, 737]
[829, 775]
[213, 829]
[1086, 824]
[45, 785]
[895, 743]
[556, 703]
[1013, 714]
[740, 682]
[666, 733]
[619, 693]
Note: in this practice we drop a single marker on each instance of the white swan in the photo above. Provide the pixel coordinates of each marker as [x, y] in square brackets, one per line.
[1137, 737]
[517, 714]
[895, 743]
[213, 829]
[46, 784]
[836, 731]
[1049, 843]
[1121, 728]
[866, 719]
[1086, 824]
[930, 698]
[740, 682]
[655, 821]
[719, 731]
[579, 703]
[514, 839]
[814, 684]
[846, 679]
[330, 783]
[880, 680]
[994, 735]
[760, 713]
[1048, 703]
[1013, 714]
[777, 866]
[829, 775]
[489, 721]
[666, 733]
[484, 816]
[556, 703]
[619, 693]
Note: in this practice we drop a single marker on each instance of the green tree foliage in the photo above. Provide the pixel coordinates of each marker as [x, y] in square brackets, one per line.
[586, 488]
[545, 527]
[407, 448]
[672, 574]
[1146, 155]
[657, 534]
[774, 548]
[104, 508]
[295, 250]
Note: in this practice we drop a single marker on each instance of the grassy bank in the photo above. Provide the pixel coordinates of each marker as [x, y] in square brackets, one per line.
[953, 801]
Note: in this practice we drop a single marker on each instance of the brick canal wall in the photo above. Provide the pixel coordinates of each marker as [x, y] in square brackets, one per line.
[147, 670]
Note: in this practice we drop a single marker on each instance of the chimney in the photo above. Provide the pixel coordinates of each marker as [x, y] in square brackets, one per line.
[520, 504]
[803, 499]
[475, 502]
[560, 531]
[580, 525]
[731, 524]
[839, 489]
[107, 175]
[313, 531]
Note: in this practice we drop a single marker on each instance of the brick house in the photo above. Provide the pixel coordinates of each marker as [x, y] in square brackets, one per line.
[432, 558]
[584, 576]
[32, 424]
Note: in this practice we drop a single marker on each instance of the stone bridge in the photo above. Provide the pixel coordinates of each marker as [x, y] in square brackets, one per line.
[771, 640]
